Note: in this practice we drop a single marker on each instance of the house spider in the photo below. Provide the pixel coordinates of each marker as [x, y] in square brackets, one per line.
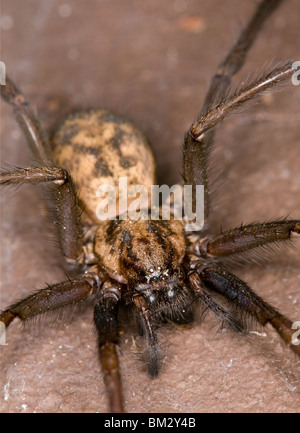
[193, 264]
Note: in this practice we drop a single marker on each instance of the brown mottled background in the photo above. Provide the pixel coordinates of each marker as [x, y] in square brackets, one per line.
[151, 61]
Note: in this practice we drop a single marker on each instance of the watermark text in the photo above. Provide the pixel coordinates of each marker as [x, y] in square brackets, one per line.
[296, 74]
[2, 73]
[161, 202]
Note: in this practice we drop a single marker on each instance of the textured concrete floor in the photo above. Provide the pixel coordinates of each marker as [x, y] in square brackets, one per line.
[151, 61]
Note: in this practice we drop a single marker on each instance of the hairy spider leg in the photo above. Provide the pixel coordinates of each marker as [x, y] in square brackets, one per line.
[246, 237]
[216, 114]
[218, 280]
[28, 122]
[197, 148]
[205, 278]
[106, 321]
[48, 299]
[66, 202]
[147, 327]
[68, 214]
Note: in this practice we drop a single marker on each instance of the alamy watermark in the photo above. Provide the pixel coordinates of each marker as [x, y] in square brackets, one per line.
[2, 333]
[296, 335]
[2, 73]
[133, 202]
[296, 74]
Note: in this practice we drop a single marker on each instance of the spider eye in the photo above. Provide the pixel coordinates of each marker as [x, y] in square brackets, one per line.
[151, 298]
[171, 292]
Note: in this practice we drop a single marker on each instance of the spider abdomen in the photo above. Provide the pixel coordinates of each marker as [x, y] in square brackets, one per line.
[98, 148]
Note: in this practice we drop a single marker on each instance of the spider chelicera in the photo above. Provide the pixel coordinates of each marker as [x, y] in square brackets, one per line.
[154, 268]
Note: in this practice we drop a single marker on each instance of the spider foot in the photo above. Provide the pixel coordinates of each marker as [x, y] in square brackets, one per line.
[6, 317]
[296, 229]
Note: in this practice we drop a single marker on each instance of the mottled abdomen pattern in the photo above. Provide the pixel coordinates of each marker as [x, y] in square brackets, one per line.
[98, 148]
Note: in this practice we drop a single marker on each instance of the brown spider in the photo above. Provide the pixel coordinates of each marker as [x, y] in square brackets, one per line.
[114, 261]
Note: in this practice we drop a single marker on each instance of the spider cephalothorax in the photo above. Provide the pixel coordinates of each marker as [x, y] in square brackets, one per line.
[155, 267]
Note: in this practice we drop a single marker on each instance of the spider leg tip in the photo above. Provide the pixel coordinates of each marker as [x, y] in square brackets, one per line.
[296, 230]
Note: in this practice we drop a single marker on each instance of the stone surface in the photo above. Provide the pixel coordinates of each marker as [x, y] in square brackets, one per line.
[152, 62]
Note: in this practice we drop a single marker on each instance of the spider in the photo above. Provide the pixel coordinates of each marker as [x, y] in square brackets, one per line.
[155, 269]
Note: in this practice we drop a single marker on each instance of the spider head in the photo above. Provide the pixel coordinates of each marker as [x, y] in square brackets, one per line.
[147, 256]
[166, 293]
[151, 259]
